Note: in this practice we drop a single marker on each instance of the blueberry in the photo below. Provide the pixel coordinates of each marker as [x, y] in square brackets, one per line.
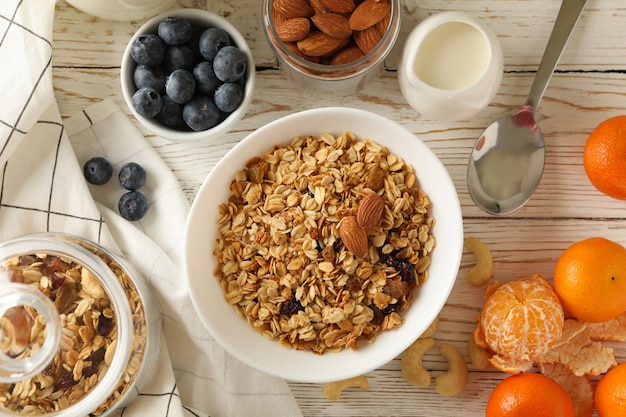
[229, 64]
[174, 30]
[97, 170]
[153, 77]
[206, 81]
[133, 205]
[201, 113]
[148, 50]
[179, 57]
[171, 113]
[228, 96]
[180, 86]
[211, 41]
[132, 176]
[147, 102]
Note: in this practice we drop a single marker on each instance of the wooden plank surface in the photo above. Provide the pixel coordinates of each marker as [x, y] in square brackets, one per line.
[589, 86]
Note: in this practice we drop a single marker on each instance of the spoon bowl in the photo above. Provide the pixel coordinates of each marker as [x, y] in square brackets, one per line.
[507, 161]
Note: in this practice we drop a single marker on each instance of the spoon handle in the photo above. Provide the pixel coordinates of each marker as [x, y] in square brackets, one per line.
[563, 26]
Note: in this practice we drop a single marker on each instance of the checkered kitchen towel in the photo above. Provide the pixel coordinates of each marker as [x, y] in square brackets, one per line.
[42, 189]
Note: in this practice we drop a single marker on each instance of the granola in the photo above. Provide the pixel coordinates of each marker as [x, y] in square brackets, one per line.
[281, 261]
[89, 333]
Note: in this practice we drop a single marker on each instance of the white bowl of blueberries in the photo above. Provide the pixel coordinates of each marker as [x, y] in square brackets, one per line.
[188, 74]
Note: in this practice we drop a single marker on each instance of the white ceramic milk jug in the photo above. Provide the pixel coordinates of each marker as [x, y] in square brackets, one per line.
[122, 10]
[451, 66]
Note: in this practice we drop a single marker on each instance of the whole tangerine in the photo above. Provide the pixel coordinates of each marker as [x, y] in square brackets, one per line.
[529, 394]
[590, 279]
[604, 157]
[522, 319]
[610, 396]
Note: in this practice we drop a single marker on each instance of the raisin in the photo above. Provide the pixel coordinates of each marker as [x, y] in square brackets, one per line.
[52, 264]
[96, 356]
[105, 325]
[56, 280]
[407, 272]
[338, 245]
[353, 284]
[291, 307]
[65, 382]
[90, 370]
[379, 316]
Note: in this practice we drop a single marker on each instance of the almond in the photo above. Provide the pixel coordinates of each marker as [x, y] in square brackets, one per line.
[333, 24]
[318, 7]
[293, 30]
[346, 55]
[368, 13]
[339, 6]
[370, 210]
[367, 39]
[318, 44]
[354, 237]
[290, 9]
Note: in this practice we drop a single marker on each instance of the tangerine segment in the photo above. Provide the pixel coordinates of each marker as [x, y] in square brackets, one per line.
[610, 393]
[590, 279]
[522, 319]
[529, 394]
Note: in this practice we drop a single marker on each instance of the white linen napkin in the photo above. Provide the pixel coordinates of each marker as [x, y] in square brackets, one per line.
[42, 188]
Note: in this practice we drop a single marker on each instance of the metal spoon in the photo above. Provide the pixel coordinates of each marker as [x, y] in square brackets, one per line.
[507, 161]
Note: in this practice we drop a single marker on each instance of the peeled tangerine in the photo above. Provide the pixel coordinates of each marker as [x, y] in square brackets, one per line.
[520, 321]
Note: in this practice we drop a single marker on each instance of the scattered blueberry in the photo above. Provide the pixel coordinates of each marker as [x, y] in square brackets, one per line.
[179, 57]
[148, 49]
[153, 77]
[97, 170]
[229, 64]
[201, 113]
[175, 30]
[228, 96]
[211, 41]
[171, 113]
[180, 86]
[133, 205]
[206, 81]
[147, 102]
[132, 176]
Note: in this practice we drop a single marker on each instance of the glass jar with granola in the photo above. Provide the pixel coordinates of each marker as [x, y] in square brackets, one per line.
[80, 329]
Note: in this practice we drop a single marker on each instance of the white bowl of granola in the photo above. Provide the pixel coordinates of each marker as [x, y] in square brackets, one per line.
[294, 274]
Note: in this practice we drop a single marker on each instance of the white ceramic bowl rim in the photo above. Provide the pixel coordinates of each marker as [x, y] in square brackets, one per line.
[236, 335]
[196, 16]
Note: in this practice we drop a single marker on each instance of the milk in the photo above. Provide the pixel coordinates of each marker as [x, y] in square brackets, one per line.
[453, 56]
[451, 66]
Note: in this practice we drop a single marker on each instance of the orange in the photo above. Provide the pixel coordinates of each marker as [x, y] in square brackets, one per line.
[604, 157]
[529, 395]
[611, 393]
[521, 320]
[590, 279]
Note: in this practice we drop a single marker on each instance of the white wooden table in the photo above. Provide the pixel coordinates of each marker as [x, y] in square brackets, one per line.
[589, 86]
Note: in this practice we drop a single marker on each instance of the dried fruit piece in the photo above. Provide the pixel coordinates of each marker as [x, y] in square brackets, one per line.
[333, 24]
[292, 30]
[353, 236]
[370, 210]
[368, 13]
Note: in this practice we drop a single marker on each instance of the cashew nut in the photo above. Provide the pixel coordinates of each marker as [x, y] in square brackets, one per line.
[431, 329]
[333, 390]
[483, 270]
[411, 362]
[454, 380]
[478, 356]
